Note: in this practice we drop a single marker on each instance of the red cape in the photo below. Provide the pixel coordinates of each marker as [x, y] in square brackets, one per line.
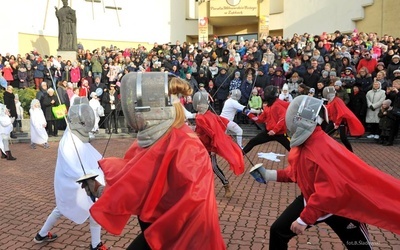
[338, 112]
[336, 181]
[170, 185]
[211, 130]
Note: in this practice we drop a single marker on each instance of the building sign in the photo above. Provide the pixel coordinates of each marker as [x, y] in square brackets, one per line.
[203, 29]
[263, 27]
[219, 8]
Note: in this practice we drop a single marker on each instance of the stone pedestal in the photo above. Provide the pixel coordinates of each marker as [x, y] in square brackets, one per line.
[67, 55]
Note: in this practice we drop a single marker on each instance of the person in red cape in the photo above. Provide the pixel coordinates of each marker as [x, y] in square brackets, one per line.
[165, 177]
[342, 118]
[211, 130]
[273, 116]
[337, 187]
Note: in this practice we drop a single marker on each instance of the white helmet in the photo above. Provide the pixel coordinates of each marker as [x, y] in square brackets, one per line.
[329, 93]
[81, 116]
[200, 101]
[236, 94]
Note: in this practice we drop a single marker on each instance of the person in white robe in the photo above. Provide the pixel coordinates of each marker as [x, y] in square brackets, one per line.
[38, 125]
[96, 106]
[6, 127]
[76, 158]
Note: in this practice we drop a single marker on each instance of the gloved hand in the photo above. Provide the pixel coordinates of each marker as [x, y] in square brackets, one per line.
[246, 111]
[371, 107]
[93, 187]
[270, 156]
[263, 175]
[255, 111]
[12, 119]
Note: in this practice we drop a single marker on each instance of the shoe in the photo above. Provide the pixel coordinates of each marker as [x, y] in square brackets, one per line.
[3, 155]
[376, 137]
[49, 237]
[371, 136]
[33, 146]
[115, 131]
[100, 246]
[9, 156]
[228, 193]
[12, 135]
[108, 131]
[46, 145]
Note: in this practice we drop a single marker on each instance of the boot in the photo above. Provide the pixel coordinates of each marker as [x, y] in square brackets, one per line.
[12, 135]
[9, 156]
[3, 155]
[228, 193]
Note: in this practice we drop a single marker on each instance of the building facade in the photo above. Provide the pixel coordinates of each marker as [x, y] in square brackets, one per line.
[31, 24]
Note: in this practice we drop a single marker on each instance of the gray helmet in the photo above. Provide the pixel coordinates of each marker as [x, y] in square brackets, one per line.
[302, 118]
[81, 116]
[146, 105]
[236, 94]
[200, 101]
[329, 93]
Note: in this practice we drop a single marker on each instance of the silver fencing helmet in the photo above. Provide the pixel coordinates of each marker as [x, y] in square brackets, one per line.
[302, 117]
[81, 116]
[200, 101]
[236, 94]
[146, 105]
[329, 93]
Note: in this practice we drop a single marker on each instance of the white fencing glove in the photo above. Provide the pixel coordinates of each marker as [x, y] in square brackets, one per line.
[270, 156]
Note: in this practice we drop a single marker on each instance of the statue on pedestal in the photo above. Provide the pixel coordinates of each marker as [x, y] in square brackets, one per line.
[67, 40]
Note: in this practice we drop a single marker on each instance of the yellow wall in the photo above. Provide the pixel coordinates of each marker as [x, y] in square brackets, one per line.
[47, 45]
[236, 30]
[381, 17]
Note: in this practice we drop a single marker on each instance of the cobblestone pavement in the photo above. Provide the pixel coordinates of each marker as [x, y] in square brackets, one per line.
[27, 197]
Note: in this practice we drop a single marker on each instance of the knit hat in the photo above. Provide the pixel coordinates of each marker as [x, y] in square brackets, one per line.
[332, 73]
[285, 87]
[325, 73]
[338, 83]
[380, 63]
[387, 102]
[396, 56]
[396, 71]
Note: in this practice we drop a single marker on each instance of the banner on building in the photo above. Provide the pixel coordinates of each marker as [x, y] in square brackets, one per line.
[220, 8]
[203, 30]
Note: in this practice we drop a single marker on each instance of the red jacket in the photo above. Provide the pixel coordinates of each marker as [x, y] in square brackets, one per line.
[170, 185]
[333, 180]
[369, 64]
[273, 116]
[338, 112]
[211, 130]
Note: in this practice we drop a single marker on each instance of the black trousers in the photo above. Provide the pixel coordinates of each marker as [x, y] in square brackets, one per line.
[263, 137]
[217, 171]
[342, 132]
[140, 243]
[394, 130]
[353, 234]
[111, 118]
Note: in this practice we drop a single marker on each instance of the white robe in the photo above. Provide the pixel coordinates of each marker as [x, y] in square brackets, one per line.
[95, 104]
[71, 199]
[5, 129]
[38, 124]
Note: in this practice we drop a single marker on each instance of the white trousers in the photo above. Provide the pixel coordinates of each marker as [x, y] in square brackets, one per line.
[95, 229]
[238, 131]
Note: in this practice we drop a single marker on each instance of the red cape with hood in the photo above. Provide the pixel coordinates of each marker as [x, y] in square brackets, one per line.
[333, 180]
[338, 112]
[170, 185]
[211, 130]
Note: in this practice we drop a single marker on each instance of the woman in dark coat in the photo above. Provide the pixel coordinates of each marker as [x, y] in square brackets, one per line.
[9, 101]
[50, 100]
[110, 102]
[358, 103]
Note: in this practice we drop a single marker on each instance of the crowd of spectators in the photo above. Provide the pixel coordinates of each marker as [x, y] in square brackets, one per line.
[302, 64]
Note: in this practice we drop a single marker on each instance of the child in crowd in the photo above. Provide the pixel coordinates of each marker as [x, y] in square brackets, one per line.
[6, 126]
[285, 95]
[385, 122]
[348, 79]
[255, 101]
[20, 113]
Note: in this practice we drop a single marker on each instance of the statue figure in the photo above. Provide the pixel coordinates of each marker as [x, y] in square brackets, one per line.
[67, 40]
